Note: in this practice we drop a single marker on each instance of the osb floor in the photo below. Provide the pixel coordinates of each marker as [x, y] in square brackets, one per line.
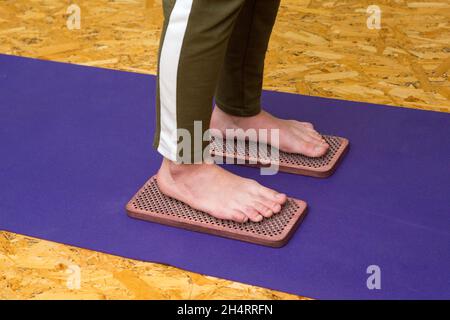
[320, 48]
[38, 269]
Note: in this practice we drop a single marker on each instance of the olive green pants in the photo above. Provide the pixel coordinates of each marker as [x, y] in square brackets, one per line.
[209, 50]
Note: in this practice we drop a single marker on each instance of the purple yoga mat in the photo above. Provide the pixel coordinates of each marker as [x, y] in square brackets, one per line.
[76, 145]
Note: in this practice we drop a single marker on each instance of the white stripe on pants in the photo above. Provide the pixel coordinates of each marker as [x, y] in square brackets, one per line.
[168, 74]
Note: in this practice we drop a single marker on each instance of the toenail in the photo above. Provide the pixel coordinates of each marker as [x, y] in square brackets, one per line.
[318, 148]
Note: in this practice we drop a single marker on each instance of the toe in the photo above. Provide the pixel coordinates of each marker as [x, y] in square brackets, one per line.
[310, 129]
[321, 149]
[273, 206]
[314, 133]
[276, 208]
[310, 136]
[319, 139]
[238, 216]
[272, 195]
[311, 149]
[252, 214]
[263, 210]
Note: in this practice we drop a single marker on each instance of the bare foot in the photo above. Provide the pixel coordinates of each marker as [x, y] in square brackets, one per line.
[209, 188]
[295, 136]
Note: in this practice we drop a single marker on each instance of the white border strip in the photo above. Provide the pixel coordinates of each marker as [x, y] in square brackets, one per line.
[168, 75]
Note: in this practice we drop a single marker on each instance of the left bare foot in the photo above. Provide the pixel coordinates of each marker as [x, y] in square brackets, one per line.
[295, 136]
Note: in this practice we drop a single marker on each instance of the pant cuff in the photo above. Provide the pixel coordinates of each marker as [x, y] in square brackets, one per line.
[196, 156]
[239, 111]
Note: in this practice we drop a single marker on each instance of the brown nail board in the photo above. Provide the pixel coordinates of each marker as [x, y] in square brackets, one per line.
[152, 205]
[246, 153]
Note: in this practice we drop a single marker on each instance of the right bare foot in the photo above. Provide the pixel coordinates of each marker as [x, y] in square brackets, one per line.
[209, 188]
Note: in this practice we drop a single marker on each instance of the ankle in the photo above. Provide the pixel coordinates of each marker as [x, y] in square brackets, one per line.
[174, 171]
[221, 118]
